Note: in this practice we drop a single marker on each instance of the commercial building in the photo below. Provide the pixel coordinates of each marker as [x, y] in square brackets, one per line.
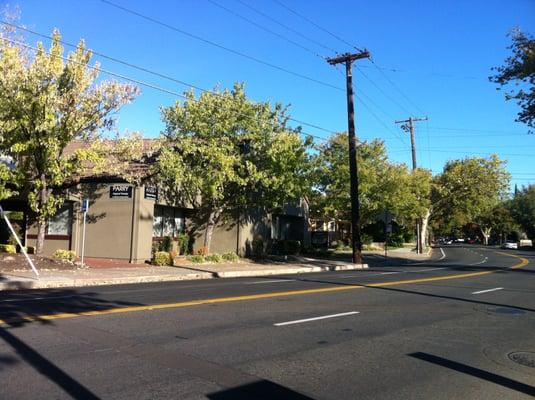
[124, 220]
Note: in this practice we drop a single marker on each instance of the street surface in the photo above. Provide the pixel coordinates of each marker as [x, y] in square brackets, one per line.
[459, 326]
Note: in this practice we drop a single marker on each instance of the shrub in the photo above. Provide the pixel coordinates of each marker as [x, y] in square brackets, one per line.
[202, 251]
[395, 240]
[366, 239]
[215, 258]
[258, 247]
[162, 258]
[197, 259]
[166, 244]
[230, 257]
[183, 243]
[291, 247]
[65, 255]
[8, 248]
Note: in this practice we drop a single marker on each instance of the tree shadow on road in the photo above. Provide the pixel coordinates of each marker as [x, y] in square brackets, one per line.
[21, 308]
[260, 390]
[440, 296]
[475, 372]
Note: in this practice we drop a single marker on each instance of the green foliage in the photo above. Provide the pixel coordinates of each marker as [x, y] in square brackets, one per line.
[395, 240]
[166, 244]
[8, 248]
[197, 259]
[291, 247]
[215, 258]
[382, 183]
[258, 247]
[46, 103]
[224, 152]
[522, 209]
[65, 255]
[162, 258]
[468, 190]
[366, 239]
[519, 72]
[231, 257]
[183, 243]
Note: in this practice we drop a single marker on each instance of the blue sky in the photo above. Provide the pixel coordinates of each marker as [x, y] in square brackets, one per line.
[442, 53]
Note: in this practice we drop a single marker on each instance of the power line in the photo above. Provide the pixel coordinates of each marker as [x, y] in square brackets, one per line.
[396, 87]
[315, 24]
[383, 92]
[219, 46]
[473, 130]
[256, 10]
[141, 83]
[471, 153]
[146, 70]
[261, 27]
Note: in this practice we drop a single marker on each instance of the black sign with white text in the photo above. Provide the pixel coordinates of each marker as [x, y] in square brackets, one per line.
[120, 191]
[151, 192]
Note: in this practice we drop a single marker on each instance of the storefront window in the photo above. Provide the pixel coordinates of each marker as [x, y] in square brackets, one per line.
[60, 224]
[168, 221]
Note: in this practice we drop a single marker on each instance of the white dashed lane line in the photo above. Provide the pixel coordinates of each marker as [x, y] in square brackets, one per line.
[487, 290]
[300, 321]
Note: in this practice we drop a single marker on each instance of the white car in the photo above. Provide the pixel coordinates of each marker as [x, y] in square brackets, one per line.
[510, 245]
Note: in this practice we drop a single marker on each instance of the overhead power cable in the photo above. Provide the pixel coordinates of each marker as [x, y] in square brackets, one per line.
[219, 46]
[289, 28]
[315, 24]
[396, 87]
[265, 29]
[139, 82]
[146, 70]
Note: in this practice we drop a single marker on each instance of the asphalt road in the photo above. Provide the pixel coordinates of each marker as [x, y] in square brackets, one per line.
[460, 326]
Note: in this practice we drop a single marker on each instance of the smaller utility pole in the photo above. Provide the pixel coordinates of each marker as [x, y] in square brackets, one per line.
[348, 59]
[408, 126]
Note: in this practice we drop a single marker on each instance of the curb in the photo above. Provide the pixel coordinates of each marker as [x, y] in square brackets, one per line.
[286, 271]
[28, 284]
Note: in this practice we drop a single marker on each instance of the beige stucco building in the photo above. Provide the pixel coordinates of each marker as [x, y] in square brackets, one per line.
[123, 221]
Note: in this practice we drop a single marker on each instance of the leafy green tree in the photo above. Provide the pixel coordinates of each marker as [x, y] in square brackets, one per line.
[522, 208]
[519, 69]
[46, 102]
[382, 183]
[467, 190]
[223, 153]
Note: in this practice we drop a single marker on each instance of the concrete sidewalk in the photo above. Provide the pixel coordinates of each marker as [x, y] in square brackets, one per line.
[110, 274]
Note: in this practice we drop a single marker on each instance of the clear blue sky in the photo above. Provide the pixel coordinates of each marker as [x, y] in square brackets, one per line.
[442, 52]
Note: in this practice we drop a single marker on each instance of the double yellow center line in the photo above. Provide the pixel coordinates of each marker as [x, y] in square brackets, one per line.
[120, 310]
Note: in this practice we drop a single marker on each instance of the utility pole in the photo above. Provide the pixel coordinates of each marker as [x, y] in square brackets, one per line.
[408, 126]
[347, 59]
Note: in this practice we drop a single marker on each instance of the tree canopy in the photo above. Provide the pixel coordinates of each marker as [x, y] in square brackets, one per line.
[519, 69]
[382, 184]
[223, 153]
[46, 102]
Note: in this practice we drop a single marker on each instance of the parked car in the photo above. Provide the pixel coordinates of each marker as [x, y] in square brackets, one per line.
[510, 245]
[448, 241]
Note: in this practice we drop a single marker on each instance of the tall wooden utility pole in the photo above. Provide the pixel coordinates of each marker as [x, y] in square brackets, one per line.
[356, 242]
[408, 126]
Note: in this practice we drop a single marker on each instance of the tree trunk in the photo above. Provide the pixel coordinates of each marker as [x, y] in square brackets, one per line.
[213, 216]
[41, 222]
[486, 234]
[424, 224]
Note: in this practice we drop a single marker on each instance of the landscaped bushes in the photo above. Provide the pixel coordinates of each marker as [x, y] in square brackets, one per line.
[8, 248]
[162, 258]
[231, 257]
[65, 255]
[214, 258]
